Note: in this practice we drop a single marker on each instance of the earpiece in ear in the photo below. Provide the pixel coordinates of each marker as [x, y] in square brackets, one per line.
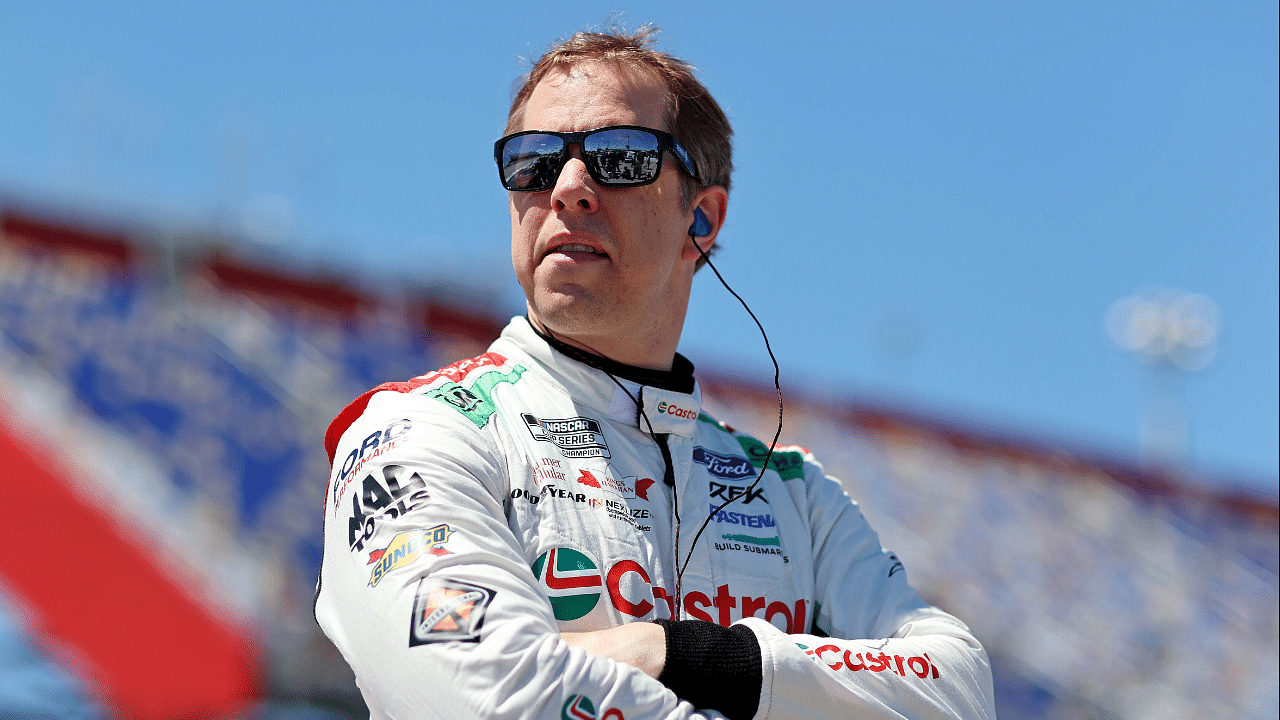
[701, 226]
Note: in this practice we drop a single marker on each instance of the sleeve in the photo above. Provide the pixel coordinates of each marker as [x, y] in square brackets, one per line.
[879, 651]
[427, 594]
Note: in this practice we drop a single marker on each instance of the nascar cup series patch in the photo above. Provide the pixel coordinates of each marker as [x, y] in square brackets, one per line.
[571, 581]
[448, 610]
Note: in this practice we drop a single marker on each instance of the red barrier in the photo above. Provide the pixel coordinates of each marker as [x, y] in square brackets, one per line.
[151, 652]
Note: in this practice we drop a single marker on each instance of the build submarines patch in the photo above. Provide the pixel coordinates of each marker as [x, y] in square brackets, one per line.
[448, 610]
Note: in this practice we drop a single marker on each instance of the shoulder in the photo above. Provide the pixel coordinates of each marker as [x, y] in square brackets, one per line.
[791, 462]
[464, 388]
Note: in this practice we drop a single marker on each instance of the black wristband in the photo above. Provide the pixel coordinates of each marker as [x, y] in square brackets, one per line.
[713, 666]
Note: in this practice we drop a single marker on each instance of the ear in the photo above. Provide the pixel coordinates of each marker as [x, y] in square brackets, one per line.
[714, 203]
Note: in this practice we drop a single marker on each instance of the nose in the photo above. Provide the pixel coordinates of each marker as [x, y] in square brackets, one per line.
[575, 188]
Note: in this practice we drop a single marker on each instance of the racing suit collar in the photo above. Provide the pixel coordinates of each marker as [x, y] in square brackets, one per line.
[678, 379]
[665, 410]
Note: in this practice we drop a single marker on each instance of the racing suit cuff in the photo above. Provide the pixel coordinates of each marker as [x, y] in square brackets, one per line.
[713, 666]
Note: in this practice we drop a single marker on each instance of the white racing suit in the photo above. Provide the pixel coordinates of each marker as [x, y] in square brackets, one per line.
[475, 512]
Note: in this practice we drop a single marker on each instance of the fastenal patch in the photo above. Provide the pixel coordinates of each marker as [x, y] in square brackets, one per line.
[575, 437]
[406, 548]
[448, 610]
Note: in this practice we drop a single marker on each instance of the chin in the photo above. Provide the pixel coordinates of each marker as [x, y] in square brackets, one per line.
[568, 315]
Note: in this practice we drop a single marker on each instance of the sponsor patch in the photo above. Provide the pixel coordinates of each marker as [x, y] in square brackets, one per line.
[788, 463]
[570, 579]
[748, 495]
[476, 401]
[729, 607]
[373, 446]
[642, 488]
[448, 610]
[751, 544]
[919, 666]
[729, 467]
[459, 370]
[407, 548]
[737, 518]
[392, 497]
[548, 469]
[674, 410]
[575, 437]
[578, 707]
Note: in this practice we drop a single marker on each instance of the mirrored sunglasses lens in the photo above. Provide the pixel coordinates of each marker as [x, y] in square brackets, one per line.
[531, 162]
[623, 156]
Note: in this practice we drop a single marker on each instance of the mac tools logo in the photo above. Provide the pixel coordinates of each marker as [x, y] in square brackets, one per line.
[571, 581]
[575, 437]
[729, 467]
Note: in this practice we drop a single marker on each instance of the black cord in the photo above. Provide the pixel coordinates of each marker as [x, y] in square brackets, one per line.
[668, 470]
[777, 434]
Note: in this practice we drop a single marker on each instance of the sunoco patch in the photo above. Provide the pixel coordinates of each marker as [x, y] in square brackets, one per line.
[575, 437]
[448, 610]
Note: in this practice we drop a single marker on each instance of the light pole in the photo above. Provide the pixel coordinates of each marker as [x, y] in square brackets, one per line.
[1173, 332]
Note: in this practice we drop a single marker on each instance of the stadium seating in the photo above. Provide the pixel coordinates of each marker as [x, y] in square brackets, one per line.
[1100, 592]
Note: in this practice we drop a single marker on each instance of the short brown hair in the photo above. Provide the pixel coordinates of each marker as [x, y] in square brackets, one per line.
[693, 116]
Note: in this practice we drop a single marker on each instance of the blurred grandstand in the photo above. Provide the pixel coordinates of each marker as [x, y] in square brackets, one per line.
[163, 404]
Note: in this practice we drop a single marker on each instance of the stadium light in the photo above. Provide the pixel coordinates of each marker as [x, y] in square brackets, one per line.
[1173, 332]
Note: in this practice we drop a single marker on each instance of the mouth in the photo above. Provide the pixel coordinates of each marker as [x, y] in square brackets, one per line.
[576, 250]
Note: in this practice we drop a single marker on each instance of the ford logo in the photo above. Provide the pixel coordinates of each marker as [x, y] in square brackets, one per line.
[731, 467]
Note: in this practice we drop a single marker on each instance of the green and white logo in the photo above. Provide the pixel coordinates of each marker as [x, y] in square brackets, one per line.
[578, 707]
[571, 581]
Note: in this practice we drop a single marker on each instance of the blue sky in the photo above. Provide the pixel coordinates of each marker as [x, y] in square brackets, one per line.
[971, 184]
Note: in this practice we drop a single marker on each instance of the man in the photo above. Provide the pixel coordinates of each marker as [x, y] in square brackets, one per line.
[541, 531]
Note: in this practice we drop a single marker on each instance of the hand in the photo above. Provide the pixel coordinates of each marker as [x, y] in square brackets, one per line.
[641, 644]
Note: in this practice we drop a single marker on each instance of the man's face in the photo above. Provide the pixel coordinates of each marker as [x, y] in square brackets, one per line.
[606, 268]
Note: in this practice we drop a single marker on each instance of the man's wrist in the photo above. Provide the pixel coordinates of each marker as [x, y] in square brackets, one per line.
[713, 666]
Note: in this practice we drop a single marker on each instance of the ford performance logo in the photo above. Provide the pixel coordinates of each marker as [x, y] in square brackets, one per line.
[731, 467]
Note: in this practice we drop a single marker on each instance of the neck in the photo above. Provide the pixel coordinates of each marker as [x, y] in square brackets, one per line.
[677, 376]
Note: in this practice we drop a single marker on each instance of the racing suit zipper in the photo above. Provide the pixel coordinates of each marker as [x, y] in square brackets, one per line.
[669, 479]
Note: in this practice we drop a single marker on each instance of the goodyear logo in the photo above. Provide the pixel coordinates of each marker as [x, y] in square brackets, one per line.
[406, 548]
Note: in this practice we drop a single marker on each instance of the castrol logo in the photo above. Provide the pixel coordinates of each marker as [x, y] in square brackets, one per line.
[666, 408]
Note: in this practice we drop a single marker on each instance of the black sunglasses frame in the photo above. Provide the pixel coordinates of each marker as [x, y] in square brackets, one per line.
[666, 141]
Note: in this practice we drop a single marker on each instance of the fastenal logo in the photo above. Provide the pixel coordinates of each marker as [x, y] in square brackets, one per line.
[666, 408]
[730, 467]
[571, 581]
[407, 548]
[575, 437]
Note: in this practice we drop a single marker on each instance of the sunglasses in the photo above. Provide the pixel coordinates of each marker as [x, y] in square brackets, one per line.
[616, 156]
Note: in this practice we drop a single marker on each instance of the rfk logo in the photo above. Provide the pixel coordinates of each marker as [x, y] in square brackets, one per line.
[731, 492]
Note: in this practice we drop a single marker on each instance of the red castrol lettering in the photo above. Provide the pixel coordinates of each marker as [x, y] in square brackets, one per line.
[667, 408]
